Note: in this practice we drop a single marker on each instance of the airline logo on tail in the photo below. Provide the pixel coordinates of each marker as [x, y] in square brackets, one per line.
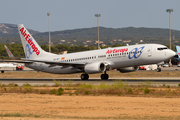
[29, 41]
[178, 50]
[8, 51]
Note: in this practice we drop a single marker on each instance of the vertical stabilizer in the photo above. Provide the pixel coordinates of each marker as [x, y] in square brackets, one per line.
[178, 51]
[9, 52]
[31, 48]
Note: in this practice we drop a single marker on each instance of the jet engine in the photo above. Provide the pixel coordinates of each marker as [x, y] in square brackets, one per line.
[128, 69]
[95, 67]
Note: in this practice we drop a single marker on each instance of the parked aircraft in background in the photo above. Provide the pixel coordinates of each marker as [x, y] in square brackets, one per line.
[7, 65]
[10, 64]
[9, 52]
[178, 55]
[149, 67]
[124, 59]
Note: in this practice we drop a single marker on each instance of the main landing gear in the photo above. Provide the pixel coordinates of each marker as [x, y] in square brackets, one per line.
[103, 76]
[84, 77]
[158, 69]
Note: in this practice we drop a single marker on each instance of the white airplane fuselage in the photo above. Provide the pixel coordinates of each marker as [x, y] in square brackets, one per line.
[2, 65]
[124, 59]
[118, 57]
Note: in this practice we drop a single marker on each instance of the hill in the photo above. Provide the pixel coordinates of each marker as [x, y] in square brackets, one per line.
[88, 36]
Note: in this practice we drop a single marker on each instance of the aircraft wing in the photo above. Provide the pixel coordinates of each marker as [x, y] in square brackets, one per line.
[16, 61]
[55, 62]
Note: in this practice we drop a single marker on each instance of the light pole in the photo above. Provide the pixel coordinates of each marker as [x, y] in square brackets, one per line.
[49, 33]
[98, 15]
[169, 10]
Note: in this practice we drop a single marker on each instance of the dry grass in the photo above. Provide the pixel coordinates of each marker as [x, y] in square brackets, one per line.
[80, 101]
[116, 89]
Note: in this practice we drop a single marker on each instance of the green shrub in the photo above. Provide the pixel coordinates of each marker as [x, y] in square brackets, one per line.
[60, 91]
[119, 94]
[5, 89]
[53, 91]
[25, 91]
[146, 90]
[86, 92]
[76, 93]
[130, 90]
[67, 88]
[42, 92]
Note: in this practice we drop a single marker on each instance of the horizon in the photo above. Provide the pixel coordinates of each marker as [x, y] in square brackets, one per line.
[92, 27]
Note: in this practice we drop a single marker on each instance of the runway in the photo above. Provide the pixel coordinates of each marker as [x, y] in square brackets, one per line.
[130, 81]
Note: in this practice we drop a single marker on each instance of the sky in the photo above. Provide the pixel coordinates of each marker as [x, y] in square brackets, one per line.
[75, 14]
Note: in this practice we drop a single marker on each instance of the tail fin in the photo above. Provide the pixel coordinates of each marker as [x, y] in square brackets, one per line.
[31, 48]
[9, 52]
[178, 51]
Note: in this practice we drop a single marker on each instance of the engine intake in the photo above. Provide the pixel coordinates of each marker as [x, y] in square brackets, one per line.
[96, 67]
[128, 69]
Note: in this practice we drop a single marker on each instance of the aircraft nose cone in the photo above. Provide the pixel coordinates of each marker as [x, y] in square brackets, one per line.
[171, 53]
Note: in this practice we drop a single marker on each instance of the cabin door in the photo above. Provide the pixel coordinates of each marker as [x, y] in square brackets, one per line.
[149, 51]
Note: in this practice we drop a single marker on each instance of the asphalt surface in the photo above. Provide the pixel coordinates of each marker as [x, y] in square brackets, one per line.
[129, 81]
[174, 81]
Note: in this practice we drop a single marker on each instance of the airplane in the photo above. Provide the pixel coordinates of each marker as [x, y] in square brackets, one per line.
[124, 59]
[177, 58]
[9, 52]
[7, 65]
[14, 65]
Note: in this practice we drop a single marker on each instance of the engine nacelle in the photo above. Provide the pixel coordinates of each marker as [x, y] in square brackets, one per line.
[96, 67]
[128, 69]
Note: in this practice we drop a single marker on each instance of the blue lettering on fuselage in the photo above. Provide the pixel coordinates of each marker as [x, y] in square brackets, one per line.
[136, 53]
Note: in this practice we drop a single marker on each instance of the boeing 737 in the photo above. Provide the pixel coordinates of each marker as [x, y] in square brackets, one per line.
[124, 59]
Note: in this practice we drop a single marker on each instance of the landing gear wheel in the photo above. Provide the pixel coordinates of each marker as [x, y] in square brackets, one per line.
[158, 69]
[2, 71]
[84, 77]
[104, 76]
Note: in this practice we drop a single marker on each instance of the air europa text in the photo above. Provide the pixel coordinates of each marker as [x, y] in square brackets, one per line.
[117, 51]
[29, 40]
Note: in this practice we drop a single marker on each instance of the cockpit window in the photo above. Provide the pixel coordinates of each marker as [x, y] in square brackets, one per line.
[162, 48]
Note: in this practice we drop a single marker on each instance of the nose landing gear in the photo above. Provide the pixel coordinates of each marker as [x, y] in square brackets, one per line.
[158, 69]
